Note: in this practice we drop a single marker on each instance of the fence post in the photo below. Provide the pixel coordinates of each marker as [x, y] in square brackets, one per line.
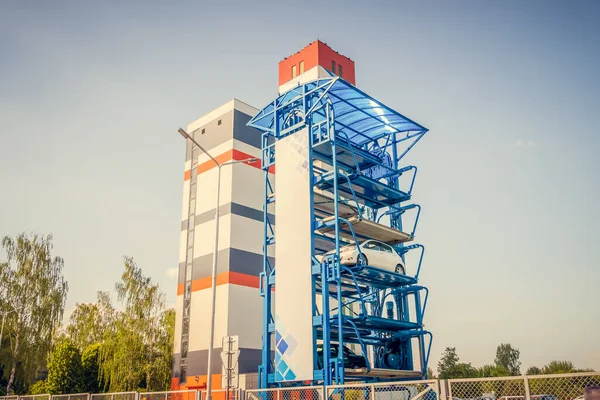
[527, 393]
[449, 389]
[372, 392]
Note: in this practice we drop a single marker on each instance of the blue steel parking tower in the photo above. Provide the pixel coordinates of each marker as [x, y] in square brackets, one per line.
[360, 191]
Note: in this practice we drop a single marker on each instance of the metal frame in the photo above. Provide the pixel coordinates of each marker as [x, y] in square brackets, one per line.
[358, 130]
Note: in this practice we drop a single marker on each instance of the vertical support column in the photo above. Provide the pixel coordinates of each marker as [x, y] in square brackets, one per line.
[527, 391]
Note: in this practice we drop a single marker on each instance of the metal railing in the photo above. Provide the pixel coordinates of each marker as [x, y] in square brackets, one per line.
[76, 396]
[222, 394]
[531, 387]
[36, 397]
[293, 393]
[171, 395]
[115, 396]
[412, 390]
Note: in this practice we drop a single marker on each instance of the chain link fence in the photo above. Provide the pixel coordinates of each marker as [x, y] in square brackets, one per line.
[222, 394]
[115, 396]
[417, 390]
[295, 393]
[487, 388]
[36, 397]
[533, 387]
[171, 395]
[77, 396]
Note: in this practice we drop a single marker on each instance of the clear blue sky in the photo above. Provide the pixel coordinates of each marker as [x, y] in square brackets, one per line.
[91, 94]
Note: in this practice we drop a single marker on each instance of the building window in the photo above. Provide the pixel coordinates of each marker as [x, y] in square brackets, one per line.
[294, 71]
[333, 67]
[340, 70]
[219, 123]
[302, 66]
[203, 130]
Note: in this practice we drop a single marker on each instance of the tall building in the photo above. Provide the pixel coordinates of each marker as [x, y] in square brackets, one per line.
[223, 133]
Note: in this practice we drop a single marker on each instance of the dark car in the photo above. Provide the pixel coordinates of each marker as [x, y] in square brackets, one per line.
[351, 359]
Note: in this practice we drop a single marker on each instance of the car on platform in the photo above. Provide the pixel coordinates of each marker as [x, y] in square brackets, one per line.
[351, 359]
[372, 253]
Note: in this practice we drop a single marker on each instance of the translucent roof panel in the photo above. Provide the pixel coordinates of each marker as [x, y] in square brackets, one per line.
[358, 115]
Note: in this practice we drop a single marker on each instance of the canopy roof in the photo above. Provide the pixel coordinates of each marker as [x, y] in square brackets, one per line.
[362, 118]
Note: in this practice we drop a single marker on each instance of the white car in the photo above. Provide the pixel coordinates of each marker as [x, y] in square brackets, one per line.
[374, 254]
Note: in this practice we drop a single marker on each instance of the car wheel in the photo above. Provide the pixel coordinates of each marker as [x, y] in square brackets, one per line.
[362, 260]
[400, 269]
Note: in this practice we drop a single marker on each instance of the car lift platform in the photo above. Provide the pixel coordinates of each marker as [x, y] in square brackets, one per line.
[382, 324]
[377, 277]
[373, 193]
[364, 159]
[325, 204]
[383, 373]
[365, 229]
[327, 243]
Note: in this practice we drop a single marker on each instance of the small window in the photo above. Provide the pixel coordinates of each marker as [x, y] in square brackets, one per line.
[340, 70]
[203, 131]
[333, 67]
[386, 248]
[294, 71]
[219, 123]
[302, 66]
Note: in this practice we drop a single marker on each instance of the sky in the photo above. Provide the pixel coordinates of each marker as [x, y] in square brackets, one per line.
[91, 95]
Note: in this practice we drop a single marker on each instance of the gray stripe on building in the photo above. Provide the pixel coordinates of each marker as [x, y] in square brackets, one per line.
[248, 362]
[230, 208]
[244, 133]
[233, 126]
[231, 259]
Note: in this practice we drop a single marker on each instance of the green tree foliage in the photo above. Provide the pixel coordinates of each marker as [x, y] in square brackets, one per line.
[533, 371]
[65, 372]
[90, 323]
[32, 284]
[134, 354]
[90, 369]
[38, 388]
[508, 357]
[493, 371]
[159, 369]
[448, 362]
[558, 367]
[450, 368]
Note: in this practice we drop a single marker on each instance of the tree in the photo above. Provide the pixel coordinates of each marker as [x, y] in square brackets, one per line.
[558, 367]
[448, 362]
[450, 368]
[533, 371]
[493, 371]
[90, 369]
[508, 358]
[132, 355]
[159, 370]
[90, 322]
[64, 368]
[32, 284]
[38, 388]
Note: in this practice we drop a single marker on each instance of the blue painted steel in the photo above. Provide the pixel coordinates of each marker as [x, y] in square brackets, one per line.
[359, 143]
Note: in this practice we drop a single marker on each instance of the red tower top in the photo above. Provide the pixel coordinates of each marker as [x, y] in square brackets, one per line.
[316, 53]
